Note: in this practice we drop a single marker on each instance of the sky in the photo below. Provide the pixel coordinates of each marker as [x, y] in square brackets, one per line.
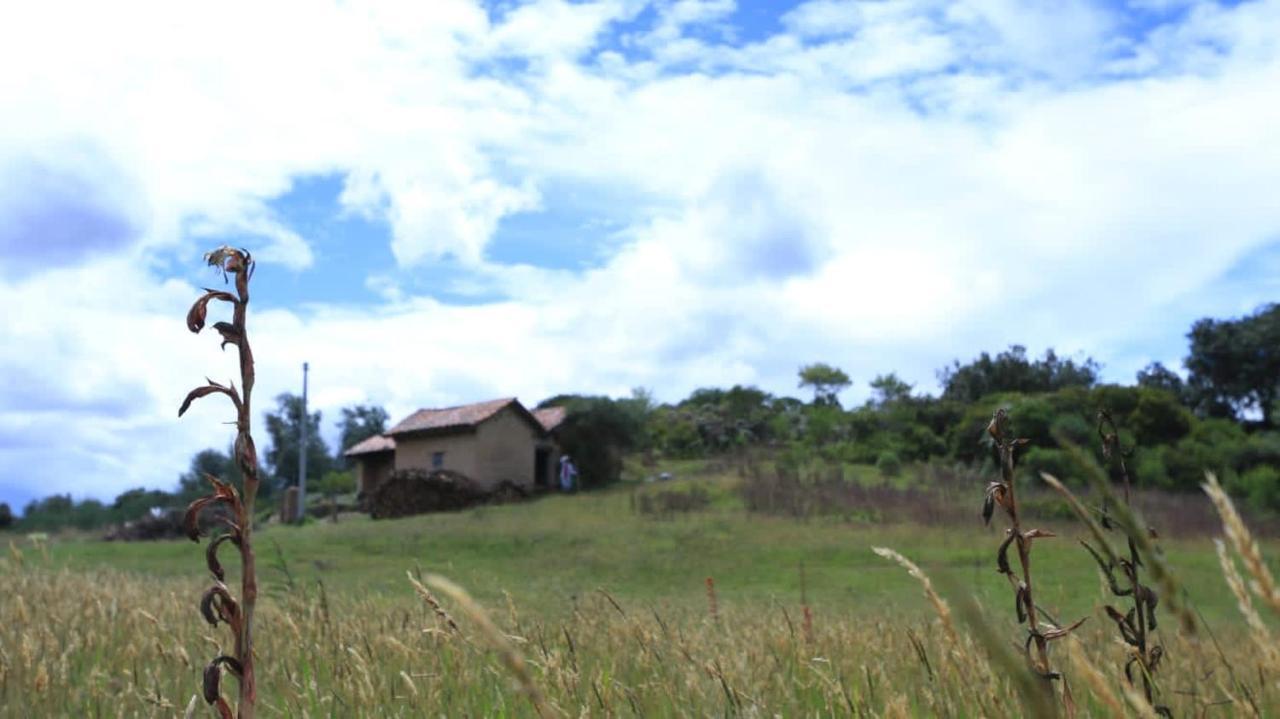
[451, 201]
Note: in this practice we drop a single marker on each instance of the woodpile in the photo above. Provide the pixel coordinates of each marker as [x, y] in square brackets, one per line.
[164, 524]
[417, 491]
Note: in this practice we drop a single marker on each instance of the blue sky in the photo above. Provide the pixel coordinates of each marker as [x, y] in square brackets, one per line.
[452, 202]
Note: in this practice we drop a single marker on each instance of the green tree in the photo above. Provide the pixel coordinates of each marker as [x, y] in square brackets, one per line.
[887, 389]
[1157, 376]
[359, 423]
[1013, 371]
[1159, 418]
[826, 381]
[1233, 366]
[194, 482]
[6, 516]
[282, 427]
[595, 433]
[89, 514]
[336, 482]
[49, 513]
[134, 503]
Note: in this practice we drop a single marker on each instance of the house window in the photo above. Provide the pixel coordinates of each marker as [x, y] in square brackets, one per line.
[437, 460]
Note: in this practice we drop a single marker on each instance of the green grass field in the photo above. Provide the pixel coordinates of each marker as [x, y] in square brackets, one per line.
[549, 564]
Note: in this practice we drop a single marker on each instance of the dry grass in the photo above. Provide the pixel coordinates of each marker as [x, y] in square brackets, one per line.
[115, 644]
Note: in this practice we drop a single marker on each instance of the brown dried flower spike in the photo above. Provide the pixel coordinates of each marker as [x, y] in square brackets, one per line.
[234, 510]
[1002, 493]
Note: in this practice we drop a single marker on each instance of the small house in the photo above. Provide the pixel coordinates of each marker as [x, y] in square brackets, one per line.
[494, 442]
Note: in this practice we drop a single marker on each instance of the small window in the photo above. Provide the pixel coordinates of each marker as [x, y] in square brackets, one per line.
[437, 460]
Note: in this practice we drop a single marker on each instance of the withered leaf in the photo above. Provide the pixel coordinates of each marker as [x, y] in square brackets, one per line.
[211, 554]
[1061, 632]
[212, 682]
[1002, 555]
[995, 495]
[230, 335]
[1108, 569]
[216, 604]
[196, 315]
[190, 521]
[194, 395]
[1125, 624]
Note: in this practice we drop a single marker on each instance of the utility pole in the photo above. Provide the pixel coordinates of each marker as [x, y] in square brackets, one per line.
[302, 450]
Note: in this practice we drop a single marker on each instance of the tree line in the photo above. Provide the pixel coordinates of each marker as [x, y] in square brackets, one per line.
[1219, 416]
[329, 470]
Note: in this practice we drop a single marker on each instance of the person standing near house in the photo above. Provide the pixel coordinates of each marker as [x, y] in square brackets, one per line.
[568, 473]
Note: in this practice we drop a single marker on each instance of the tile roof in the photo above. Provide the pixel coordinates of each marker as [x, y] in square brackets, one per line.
[376, 443]
[465, 416]
[550, 417]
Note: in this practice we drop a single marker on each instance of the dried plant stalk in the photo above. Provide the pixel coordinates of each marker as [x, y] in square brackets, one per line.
[1136, 625]
[235, 511]
[1002, 493]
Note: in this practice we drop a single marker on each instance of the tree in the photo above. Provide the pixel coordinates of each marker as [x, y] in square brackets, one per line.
[359, 423]
[336, 482]
[888, 389]
[207, 462]
[826, 381]
[49, 513]
[595, 433]
[1157, 376]
[1233, 366]
[1012, 371]
[6, 516]
[134, 503]
[282, 426]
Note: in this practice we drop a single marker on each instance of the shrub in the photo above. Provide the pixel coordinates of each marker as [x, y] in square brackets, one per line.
[889, 464]
[595, 433]
[1054, 461]
[1073, 428]
[1121, 400]
[338, 482]
[1159, 418]
[1259, 486]
[1149, 469]
[1034, 418]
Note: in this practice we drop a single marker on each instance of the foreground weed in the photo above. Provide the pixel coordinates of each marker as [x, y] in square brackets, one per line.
[233, 512]
[1002, 493]
[1136, 625]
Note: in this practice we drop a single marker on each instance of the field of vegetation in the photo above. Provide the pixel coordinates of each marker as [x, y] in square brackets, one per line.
[715, 594]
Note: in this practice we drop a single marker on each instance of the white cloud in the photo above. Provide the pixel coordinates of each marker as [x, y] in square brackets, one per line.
[886, 186]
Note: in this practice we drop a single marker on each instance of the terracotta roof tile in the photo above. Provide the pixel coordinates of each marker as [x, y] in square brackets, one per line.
[376, 443]
[467, 415]
[550, 417]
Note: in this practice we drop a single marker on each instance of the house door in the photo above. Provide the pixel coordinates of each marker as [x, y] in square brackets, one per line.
[541, 467]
